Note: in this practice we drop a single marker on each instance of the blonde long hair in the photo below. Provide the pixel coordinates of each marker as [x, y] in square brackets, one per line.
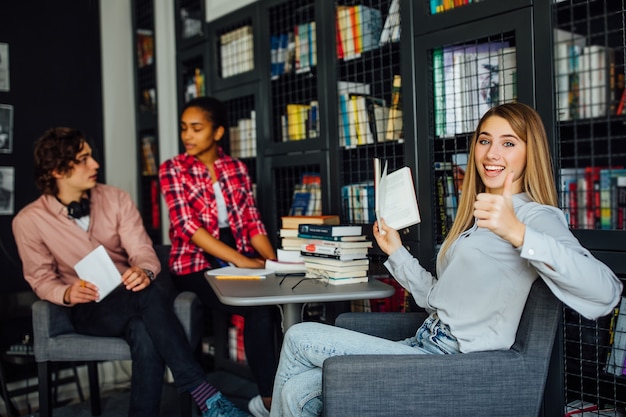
[537, 179]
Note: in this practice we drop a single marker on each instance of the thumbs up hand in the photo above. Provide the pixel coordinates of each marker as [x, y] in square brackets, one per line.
[495, 212]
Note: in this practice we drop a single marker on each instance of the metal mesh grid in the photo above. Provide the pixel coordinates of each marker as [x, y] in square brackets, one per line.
[285, 181]
[369, 99]
[589, 67]
[468, 79]
[587, 346]
[191, 18]
[147, 139]
[144, 47]
[242, 133]
[235, 44]
[294, 82]
[590, 45]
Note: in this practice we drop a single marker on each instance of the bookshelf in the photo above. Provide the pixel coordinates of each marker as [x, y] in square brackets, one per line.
[192, 73]
[146, 136]
[520, 37]
[235, 52]
[590, 138]
[190, 23]
[465, 95]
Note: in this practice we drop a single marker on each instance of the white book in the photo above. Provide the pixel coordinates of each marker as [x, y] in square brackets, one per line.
[565, 46]
[98, 268]
[597, 60]
[395, 198]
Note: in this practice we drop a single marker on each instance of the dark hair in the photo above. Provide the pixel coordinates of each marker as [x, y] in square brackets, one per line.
[215, 110]
[56, 150]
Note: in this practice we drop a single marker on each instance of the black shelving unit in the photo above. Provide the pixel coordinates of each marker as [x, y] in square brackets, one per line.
[525, 25]
[590, 136]
[147, 137]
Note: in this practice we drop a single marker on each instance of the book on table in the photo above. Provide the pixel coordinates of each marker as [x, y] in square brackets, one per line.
[233, 272]
[345, 281]
[312, 244]
[292, 222]
[338, 277]
[320, 272]
[337, 256]
[343, 266]
[311, 248]
[283, 268]
[359, 238]
[395, 198]
[288, 233]
[316, 260]
[330, 229]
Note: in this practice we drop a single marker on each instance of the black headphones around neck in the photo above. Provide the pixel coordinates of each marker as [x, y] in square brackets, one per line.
[78, 209]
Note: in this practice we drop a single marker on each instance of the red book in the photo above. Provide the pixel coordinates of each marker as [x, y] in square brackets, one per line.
[338, 37]
[573, 204]
[620, 106]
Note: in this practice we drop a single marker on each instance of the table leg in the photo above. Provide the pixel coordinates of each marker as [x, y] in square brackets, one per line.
[291, 314]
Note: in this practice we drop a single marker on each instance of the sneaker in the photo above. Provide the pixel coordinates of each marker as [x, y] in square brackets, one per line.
[257, 408]
[219, 406]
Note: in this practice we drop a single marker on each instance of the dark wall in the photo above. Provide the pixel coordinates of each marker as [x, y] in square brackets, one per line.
[55, 80]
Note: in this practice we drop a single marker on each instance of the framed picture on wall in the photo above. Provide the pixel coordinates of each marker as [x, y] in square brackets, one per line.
[4, 67]
[7, 188]
[6, 128]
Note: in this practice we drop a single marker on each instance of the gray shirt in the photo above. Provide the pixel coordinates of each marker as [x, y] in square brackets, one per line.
[483, 281]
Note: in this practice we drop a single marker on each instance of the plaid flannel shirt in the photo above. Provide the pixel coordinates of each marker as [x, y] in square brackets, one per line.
[190, 198]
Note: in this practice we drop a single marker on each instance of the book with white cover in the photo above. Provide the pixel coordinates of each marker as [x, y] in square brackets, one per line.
[282, 267]
[98, 268]
[396, 201]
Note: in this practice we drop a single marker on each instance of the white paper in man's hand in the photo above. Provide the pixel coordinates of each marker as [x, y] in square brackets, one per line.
[99, 269]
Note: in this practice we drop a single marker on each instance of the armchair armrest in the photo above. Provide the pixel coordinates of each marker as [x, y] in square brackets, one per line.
[391, 326]
[441, 385]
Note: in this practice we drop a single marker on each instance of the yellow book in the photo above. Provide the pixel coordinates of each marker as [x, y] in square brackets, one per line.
[296, 121]
[394, 122]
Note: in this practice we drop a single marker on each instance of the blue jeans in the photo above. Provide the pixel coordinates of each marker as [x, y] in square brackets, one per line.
[298, 383]
[146, 320]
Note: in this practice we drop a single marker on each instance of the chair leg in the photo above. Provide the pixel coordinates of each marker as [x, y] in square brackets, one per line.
[94, 388]
[11, 408]
[185, 404]
[79, 389]
[45, 400]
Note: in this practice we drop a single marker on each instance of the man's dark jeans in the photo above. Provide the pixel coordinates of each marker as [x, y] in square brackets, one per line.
[146, 320]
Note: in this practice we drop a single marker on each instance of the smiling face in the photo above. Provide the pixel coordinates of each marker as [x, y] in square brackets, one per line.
[198, 134]
[498, 151]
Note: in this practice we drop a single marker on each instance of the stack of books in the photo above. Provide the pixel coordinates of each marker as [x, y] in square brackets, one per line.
[289, 259]
[337, 253]
[288, 233]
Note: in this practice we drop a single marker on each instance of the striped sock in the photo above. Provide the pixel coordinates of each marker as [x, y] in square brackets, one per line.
[203, 392]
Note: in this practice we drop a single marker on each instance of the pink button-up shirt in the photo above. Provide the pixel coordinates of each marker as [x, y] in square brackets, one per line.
[50, 243]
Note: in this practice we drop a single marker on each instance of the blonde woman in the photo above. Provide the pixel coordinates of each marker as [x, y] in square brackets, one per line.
[508, 232]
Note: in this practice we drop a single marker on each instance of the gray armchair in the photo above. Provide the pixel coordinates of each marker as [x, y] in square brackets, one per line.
[496, 383]
[55, 340]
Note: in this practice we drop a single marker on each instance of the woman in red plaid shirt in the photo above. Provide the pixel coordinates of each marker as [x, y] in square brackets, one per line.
[214, 222]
